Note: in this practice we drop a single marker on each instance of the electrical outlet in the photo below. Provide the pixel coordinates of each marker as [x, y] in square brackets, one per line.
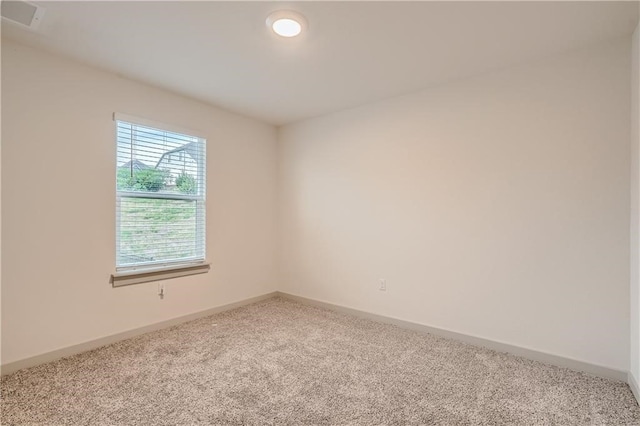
[383, 285]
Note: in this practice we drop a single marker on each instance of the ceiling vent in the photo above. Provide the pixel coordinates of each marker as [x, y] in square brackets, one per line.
[22, 13]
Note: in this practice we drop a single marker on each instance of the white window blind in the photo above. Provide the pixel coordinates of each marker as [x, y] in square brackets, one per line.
[160, 197]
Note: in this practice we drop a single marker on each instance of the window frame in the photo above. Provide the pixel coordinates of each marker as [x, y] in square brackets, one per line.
[137, 274]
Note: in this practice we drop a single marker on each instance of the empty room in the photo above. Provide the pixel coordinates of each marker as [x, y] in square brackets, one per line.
[320, 213]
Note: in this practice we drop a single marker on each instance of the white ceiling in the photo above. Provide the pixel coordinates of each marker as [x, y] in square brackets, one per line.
[353, 53]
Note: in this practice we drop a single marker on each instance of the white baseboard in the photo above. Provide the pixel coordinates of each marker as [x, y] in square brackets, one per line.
[596, 370]
[633, 384]
[93, 344]
[559, 361]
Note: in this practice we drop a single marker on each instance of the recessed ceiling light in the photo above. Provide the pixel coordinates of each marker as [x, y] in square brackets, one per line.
[286, 23]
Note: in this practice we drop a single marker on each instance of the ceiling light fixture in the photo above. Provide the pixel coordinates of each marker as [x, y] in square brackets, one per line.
[287, 23]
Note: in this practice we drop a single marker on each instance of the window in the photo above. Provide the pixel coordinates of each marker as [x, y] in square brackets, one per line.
[160, 202]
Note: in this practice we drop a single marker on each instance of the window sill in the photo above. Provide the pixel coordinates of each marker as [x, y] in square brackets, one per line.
[140, 276]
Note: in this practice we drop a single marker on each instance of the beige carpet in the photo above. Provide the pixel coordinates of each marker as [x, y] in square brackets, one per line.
[280, 362]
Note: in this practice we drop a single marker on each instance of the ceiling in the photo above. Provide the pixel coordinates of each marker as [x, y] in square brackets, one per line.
[222, 53]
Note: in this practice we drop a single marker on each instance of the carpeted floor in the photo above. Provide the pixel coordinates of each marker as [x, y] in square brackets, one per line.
[280, 362]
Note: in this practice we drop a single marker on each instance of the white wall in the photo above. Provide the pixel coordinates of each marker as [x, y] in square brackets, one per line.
[635, 207]
[58, 201]
[0, 220]
[496, 206]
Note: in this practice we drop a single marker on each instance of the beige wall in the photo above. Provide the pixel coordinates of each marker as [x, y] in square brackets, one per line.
[496, 207]
[58, 201]
[635, 207]
[0, 221]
